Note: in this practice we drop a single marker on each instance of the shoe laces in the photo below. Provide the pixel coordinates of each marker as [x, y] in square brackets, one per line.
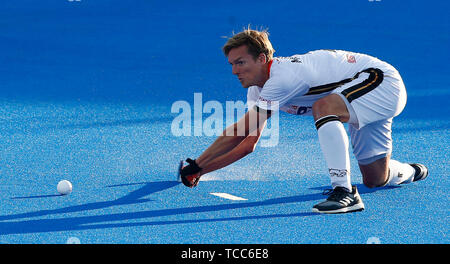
[335, 194]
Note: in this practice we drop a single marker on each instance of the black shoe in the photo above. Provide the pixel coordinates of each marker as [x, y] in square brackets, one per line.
[340, 201]
[421, 171]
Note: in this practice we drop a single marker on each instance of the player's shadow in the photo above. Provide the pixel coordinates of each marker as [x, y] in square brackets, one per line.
[133, 197]
[362, 189]
[98, 221]
[36, 196]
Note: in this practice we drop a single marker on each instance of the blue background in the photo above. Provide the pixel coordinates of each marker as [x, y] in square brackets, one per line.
[86, 90]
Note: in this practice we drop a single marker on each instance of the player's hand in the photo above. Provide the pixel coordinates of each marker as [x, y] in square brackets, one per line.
[190, 174]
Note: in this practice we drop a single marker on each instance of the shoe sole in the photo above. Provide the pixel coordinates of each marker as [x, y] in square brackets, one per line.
[354, 208]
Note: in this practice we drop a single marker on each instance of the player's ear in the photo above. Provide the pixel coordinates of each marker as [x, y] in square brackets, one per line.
[262, 58]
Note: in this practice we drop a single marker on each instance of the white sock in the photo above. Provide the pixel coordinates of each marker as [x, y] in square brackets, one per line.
[334, 144]
[400, 173]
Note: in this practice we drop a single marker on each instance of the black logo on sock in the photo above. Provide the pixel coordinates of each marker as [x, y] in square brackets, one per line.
[338, 173]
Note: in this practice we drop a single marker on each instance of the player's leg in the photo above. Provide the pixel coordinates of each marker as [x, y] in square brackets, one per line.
[386, 171]
[329, 113]
[365, 112]
[372, 99]
[331, 104]
[371, 133]
[375, 173]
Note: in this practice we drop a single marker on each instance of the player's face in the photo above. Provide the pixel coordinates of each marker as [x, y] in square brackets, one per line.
[248, 70]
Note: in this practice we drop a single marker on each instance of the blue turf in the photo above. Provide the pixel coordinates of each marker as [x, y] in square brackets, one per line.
[86, 95]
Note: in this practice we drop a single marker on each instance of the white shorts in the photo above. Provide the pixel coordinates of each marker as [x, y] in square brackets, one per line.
[373, 98]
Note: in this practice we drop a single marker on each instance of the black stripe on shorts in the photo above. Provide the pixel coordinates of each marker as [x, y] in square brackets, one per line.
[358, 90]
[328, 87]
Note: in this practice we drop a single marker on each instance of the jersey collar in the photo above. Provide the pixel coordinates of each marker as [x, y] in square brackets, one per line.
[268, 68]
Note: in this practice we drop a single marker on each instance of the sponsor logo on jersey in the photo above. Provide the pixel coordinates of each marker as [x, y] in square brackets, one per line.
[351, 58]
[298, 110]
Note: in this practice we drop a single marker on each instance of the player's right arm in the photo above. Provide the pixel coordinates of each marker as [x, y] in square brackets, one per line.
[245, 147]
[241, 137]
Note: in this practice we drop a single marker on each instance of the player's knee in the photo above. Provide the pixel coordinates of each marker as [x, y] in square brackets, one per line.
[375, 174]
[370, 183]
[330, 105]
[321, 108]
[374, 180]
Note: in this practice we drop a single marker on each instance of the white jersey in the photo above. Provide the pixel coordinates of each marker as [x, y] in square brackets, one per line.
[372, 90]
[296, 82]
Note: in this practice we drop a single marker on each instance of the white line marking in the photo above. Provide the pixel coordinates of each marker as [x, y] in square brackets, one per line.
[229, 196]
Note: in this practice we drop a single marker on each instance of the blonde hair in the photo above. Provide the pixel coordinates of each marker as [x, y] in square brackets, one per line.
[256, 41]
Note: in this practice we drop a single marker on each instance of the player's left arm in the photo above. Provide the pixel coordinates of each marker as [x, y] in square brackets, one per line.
[236, 142]
[244, 148]
[250, 125]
